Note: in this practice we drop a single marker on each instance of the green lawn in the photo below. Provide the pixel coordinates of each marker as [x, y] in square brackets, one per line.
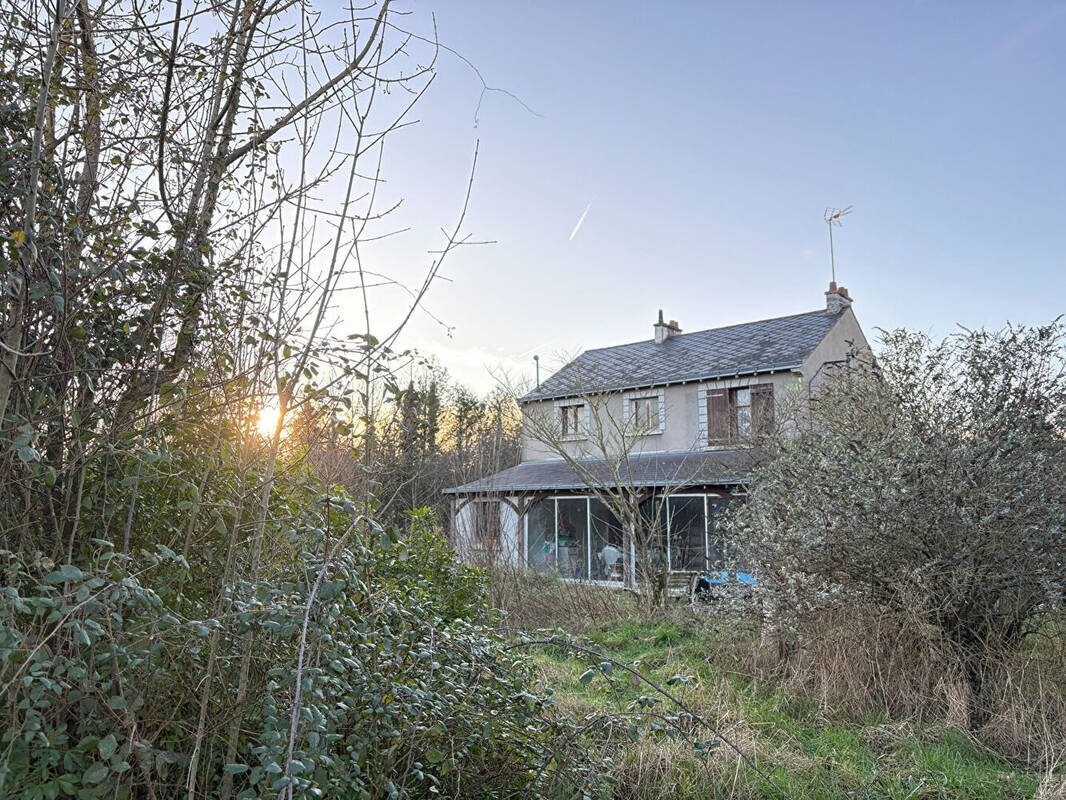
[806, 754]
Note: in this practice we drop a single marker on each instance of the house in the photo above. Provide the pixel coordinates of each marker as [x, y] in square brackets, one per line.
[670, 417]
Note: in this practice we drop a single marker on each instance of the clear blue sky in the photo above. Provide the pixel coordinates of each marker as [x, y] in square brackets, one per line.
[709, 138]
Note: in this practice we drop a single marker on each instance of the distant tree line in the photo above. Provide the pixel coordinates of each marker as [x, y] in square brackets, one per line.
[425, 437]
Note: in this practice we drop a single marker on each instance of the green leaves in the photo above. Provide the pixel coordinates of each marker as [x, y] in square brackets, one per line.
[67, 572]
[95, 773]
[107, 746]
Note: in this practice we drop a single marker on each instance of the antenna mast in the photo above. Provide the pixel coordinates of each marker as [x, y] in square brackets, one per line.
[832, 217]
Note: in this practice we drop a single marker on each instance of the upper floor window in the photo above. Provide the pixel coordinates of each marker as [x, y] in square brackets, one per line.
[742, 411]
[734, 414]
[644, 411]
[572, 420]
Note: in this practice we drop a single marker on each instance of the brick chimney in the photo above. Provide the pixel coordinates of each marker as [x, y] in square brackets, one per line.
[665, 330]
[837, 298]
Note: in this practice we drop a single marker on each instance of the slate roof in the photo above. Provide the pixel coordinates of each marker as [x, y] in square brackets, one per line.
[764, 346]
[688, 468]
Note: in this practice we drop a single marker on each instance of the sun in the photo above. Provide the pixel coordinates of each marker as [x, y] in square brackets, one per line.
[267, 420]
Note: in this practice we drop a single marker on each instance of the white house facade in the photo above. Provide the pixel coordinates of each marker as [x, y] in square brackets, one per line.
[693, 398]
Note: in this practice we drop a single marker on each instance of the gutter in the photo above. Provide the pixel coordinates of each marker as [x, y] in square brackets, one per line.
[533, 397]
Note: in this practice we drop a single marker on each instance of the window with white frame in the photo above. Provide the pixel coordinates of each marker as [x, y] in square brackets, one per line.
[742, 411]
[644, 411]
[576, 537]
[733, 414]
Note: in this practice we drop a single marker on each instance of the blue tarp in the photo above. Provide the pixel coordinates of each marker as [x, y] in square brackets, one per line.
[720, 577]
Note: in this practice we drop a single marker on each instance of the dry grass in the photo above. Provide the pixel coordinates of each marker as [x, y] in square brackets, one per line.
[534, 601]
[858, 664]
[1053, 787]
[665, 769]
[861, 709]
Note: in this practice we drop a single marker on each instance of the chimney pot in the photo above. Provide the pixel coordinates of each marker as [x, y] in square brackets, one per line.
[837, 298]
[663, 330]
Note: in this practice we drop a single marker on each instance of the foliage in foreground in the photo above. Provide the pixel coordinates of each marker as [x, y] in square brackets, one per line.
[860, 710]
[930, 485]
[99, 681]
[188, 607]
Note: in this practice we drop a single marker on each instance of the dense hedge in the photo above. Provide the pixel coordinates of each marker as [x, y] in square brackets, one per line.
[404, 692]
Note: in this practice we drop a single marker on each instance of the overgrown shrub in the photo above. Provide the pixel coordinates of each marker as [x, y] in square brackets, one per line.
[425, 569]
[858, 663]
[99, 682]
[187, 607]
[930, 484]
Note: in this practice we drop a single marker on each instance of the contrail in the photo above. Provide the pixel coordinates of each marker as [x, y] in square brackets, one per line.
[577, 227]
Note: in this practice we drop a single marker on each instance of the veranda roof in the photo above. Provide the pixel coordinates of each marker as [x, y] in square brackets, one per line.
[686, 468]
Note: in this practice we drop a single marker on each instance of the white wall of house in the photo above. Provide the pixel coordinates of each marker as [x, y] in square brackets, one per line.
[679, 429]
[510, 535]
[845, 336]
[684, 407]
[470, 542]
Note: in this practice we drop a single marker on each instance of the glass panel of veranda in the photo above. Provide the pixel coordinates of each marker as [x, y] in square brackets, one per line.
[716, 551]
[607, 544]
[572, 536]
[581, 539]
[540, 536]
[654, 518]
[688, 532]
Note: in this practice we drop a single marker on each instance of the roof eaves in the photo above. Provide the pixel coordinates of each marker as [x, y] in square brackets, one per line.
[533, 397]
[550, 487]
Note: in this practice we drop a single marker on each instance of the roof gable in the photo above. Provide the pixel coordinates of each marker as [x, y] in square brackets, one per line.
[771, 344]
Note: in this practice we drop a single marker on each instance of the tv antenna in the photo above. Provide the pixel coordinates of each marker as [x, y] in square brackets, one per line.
[832, 217]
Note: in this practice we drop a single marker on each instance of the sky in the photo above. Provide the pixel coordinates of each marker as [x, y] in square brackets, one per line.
[705, 141]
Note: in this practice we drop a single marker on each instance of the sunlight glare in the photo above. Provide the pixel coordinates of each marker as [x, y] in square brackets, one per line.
[267, 420]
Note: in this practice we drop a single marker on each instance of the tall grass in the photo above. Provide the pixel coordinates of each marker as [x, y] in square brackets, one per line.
[533, 600]
[856, 705]
[859, 663]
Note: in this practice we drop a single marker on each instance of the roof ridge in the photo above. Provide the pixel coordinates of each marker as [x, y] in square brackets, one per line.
[704, 330]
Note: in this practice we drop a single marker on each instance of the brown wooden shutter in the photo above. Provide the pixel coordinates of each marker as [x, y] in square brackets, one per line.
[762, 408]
[718, 427]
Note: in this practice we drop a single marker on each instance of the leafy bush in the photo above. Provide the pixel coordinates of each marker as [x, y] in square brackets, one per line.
[929, 484]
[99, 681]
[424, 568]
[177, 618]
